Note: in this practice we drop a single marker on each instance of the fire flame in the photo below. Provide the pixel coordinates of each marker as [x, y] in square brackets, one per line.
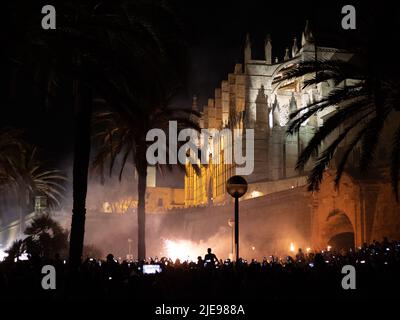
[181, 249]
[292, 247]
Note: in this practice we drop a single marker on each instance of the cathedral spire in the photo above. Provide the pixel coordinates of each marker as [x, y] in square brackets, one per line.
[195, 106]
[292, 103]
[247, 49]
[295, 49]
[286, 57]
[275, 112]
[307, 36]
[268, 49]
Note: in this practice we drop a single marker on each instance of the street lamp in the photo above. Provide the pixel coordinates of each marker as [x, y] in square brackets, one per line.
[236, 186]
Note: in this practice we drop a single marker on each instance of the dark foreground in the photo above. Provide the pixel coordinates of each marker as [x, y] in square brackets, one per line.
[314, 276]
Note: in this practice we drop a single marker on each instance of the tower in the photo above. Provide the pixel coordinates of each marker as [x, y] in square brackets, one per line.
[247, 50]
[261, 136]
[307, 36]
[262, 112]
[295, 49]
[275, 113]
[268, 49]
[292, 103]
[286, 57]
[195, 108]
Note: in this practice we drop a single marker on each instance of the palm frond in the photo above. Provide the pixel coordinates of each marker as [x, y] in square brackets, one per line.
[370, 138]
[331, 124]
[325, 70]
[339, 98]
[316, 175]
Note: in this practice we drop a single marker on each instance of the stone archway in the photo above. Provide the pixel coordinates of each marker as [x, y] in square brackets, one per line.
[368, 205]
[342, 241]
[338, 231]
[336, 211]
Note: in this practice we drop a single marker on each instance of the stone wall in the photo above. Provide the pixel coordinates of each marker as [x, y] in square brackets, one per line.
[365, 207]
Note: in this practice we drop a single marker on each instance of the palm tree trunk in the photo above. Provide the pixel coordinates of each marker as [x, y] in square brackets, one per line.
[141, 167]
[21, 222]
[83, 113]
[22, 199]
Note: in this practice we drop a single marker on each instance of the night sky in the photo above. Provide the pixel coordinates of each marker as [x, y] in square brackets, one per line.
[215, 33]
[218, 30]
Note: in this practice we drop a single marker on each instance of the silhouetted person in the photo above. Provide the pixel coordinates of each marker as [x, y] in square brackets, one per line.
[300, 257]
[210, 258]
[319, 261]
[200, 262]
[110, 259]
[58, 263]
[110, 267]
[385, 242]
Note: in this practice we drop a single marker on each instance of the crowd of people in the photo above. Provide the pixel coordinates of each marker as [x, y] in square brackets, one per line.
[311, 275]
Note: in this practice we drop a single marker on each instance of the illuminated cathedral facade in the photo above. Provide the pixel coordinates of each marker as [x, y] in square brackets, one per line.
[250, 98]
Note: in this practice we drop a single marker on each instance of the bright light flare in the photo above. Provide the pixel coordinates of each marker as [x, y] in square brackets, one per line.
[181, 249]
[292, 247]
[3, 255]
[256, 194]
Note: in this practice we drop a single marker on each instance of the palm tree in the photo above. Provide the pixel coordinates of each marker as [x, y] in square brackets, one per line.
[361, 109]
[22, 176]
[45, 238]
[22, 173]
[94, 48]
[32, 179]
[366, 94]
[11, 145]
[124, 134]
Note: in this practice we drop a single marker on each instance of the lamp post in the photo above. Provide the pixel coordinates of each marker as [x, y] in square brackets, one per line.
[129, 255]
[236, 186]
[231, 224]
